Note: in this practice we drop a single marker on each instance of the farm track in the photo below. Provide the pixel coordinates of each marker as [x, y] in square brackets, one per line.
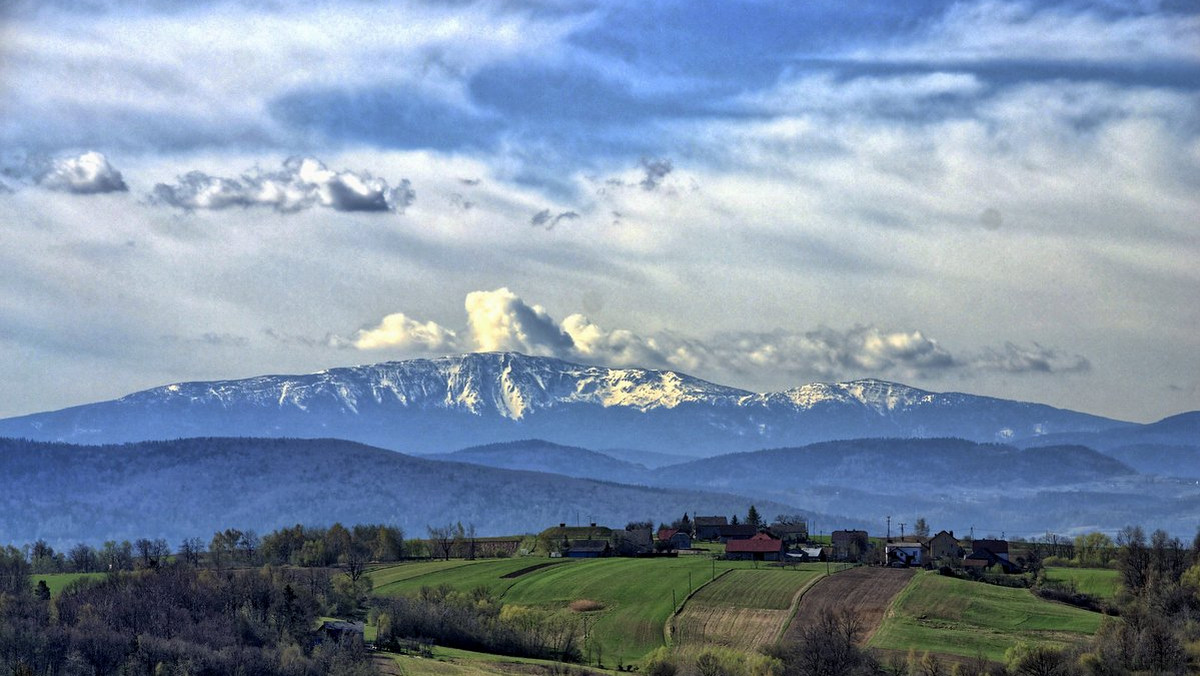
[867, 592]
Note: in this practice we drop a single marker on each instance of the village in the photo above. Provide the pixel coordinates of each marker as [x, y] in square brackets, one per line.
[786, 542]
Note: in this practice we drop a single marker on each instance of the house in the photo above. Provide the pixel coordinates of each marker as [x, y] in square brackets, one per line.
[339, 631]
[588, 549]
[998, 548]
[635, 542]
[944, 546]
[760, 547]
[790, 533]
[850, 545]
[735, 532]
[906, 554]
[708, 527]
[806, 554]
[675, 538]
[987, 553]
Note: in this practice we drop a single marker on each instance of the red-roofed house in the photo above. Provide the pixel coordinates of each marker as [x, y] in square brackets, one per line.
[761, 547]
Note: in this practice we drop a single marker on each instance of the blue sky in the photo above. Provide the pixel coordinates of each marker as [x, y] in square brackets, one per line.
[994, 197]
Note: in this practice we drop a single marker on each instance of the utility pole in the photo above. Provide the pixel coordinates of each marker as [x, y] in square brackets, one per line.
[889, 528]
[902, 532]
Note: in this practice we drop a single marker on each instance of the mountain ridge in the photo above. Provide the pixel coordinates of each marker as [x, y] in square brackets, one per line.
[449, 403]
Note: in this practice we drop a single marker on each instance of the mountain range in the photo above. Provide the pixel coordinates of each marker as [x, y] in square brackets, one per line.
[449, 403]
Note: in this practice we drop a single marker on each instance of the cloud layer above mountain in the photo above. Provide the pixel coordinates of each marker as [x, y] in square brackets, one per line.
[500, 320]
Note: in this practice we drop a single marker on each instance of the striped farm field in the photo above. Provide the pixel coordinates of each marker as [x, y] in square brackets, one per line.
[958, 617]
[742, 609]
[460, 575]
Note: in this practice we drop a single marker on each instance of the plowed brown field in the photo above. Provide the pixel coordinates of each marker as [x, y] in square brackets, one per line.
[865, 591]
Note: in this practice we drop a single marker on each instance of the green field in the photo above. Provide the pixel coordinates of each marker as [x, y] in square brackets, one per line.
[638, 595]
[58, 581]
[1101, 583]
[947, 615]
[408, 578]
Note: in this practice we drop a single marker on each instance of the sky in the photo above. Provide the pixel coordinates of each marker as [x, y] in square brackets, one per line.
[1000, 198]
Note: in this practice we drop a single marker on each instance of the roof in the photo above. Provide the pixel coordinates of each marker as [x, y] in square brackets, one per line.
[848, 535]
[667, 533]
[589, 545]
[741, 529]
[710, 521]
[760, 543]
[904, 545]
[993, 546]
[949, 534]
[788, 528]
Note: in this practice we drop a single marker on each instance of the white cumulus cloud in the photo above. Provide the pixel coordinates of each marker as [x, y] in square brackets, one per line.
[399, 331]
[500, 320]
[86, 174]
[303, 182]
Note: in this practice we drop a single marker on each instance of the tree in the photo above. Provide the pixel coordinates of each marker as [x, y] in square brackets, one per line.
[752, 518]
[190, 550]
[83, 558]
[42, 591]
[14, 571]
[921, 528]
[441, 538]
[733, 520]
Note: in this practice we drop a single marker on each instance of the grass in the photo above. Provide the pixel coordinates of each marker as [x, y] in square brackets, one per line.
[467, 663]
[1101, 583]
[957, 617]
[408, 578]
[742, 609]
[59, 581]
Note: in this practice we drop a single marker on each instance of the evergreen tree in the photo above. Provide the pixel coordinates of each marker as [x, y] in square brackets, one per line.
[752, 518]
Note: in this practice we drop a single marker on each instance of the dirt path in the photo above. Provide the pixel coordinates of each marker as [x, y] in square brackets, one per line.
[865, 591]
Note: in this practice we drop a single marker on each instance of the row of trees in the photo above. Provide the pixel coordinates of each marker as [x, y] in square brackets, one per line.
[298, 546]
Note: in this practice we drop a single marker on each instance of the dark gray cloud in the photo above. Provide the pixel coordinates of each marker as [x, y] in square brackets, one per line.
[1013, 358]
[303, 183]
[656, 170]
[87, 174]
[547, 219]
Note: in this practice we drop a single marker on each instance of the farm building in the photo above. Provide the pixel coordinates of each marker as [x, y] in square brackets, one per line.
[675, 538]
[338, 631]
[735, 532]
[905, 553]
[708, 527]
[791, 533]
[944, 546]
[805, 554]
[761, 547]
[589, 549]
[850, 545]
[998, 548]
[633, 542]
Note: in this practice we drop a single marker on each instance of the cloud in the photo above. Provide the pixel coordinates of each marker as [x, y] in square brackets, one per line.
[304, 182]
[1014, 358]
[87, 174]
[656, 170]
[399, 331]
[545, 218]
[500, 320]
